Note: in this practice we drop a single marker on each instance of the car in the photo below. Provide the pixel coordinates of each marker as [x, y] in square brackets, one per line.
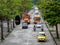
[36, 12]
[38, 25]
[24, 25]
[41, 36]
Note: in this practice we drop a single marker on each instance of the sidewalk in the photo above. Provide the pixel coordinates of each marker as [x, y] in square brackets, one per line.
[5, 29]
[11, 36]
[53, 32]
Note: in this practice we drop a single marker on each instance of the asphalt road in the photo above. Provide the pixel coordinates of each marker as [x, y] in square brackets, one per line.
[27, 36]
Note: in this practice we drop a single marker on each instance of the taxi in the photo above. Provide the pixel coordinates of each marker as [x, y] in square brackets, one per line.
[41, 36]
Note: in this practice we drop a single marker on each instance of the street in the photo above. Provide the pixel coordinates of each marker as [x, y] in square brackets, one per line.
[27, 36]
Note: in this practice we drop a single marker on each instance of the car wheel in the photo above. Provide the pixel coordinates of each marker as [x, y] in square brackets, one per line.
[29, 23]
[22, 27]
[38, 40]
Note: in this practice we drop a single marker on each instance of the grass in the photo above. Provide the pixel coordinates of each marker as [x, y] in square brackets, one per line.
[52, 30]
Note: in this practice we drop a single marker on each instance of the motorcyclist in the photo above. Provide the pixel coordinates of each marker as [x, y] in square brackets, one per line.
[34, 28]
[42, 28]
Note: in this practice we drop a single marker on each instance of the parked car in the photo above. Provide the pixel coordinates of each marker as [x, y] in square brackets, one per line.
[24, 25]
[41, 36]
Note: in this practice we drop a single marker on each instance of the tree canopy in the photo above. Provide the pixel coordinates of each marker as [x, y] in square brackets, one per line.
[11, 8]
[50, 10]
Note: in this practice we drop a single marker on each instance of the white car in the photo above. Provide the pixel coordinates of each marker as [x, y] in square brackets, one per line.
[38, 25]
[36, 12]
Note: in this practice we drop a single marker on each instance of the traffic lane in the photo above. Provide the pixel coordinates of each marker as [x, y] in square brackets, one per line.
[33, 40]
[29, 36]
[49, 40]
[26, 37]
[32, 37]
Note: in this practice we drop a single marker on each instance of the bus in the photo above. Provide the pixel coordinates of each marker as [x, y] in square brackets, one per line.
[36, 19]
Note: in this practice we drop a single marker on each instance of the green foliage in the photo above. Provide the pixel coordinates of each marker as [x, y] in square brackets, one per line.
[26, 5]
[52, 30]
[50, 10]
[10, 8]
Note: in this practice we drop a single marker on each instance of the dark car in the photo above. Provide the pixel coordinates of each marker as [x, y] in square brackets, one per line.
[24, 25]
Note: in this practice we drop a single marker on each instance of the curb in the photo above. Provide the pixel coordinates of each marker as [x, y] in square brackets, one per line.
[51, 33]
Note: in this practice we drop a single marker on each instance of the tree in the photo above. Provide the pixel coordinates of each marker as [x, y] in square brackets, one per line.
[11, 8]
[26, 5]
[8, 11]
[2, 12]
[51, 10]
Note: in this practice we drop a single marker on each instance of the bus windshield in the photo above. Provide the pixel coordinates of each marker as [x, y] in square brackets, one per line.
[36, 18]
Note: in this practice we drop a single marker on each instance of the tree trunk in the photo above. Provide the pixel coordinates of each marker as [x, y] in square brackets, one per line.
[11, 27]
[57, 31]
[2, 38]
[13, 24]
[8, 25]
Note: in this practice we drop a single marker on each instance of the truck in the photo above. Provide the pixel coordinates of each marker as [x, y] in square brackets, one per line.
[36, 19]
[26, 18]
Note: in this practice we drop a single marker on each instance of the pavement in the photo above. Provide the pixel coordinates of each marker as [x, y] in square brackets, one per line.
[27, 36]
[54, 33]
[5, 33]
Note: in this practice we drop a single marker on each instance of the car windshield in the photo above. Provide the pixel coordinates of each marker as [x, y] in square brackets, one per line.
[38, 23]
[36, 13]
[41, 35]
[36, 18]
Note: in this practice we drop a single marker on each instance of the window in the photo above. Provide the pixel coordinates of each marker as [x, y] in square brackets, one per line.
[36, 18]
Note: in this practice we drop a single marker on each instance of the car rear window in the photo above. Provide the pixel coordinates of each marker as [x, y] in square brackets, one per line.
[41, 35]
[25, 24]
